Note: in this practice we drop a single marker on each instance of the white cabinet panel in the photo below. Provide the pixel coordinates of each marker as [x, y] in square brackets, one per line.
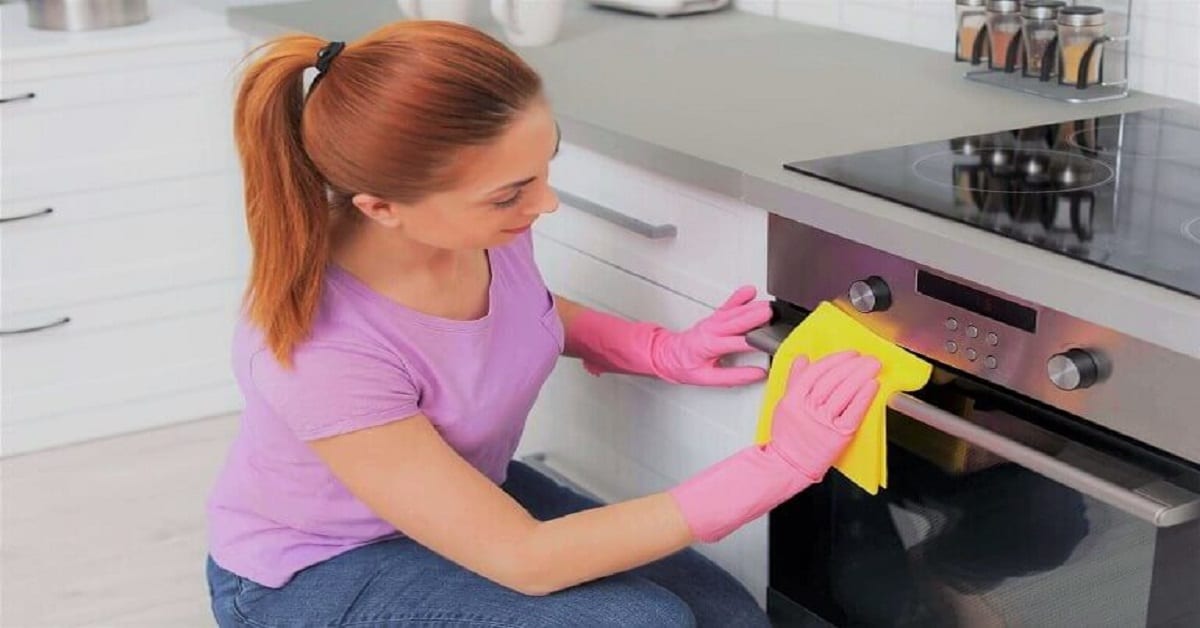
[92, 131]
[119, 241]
[718, 243]
[125, 351]
[122, 218]
[626, 436]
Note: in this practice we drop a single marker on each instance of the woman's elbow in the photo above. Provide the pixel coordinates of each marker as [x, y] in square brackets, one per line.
[526, 575]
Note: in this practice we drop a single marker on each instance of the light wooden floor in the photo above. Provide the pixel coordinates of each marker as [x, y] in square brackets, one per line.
[110, 533]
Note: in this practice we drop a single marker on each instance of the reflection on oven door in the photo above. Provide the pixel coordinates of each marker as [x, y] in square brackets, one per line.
[965, 537]
[996, 547]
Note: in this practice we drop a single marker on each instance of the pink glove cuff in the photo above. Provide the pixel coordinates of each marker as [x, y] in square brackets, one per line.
[736, 491]
[609, 344]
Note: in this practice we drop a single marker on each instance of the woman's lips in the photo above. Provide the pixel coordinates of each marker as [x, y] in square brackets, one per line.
[519, 229]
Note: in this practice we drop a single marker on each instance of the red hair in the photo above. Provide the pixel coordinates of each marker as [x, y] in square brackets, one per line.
[388, 118]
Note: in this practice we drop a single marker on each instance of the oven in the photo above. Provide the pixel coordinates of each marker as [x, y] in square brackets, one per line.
[1048, 475]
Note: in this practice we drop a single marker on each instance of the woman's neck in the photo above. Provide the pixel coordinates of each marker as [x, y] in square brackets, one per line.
[367, 249]
[440, 282]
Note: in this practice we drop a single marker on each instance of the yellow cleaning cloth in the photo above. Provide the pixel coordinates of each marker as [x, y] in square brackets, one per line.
[829, 330]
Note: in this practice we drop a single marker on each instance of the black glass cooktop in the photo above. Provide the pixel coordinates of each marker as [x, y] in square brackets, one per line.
[1121, 192]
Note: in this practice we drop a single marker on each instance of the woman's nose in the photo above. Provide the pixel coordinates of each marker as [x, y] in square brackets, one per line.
[548, 204]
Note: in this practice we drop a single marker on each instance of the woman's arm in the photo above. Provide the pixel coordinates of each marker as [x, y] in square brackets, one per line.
[611, 344]
[568, 311]
[409, 476]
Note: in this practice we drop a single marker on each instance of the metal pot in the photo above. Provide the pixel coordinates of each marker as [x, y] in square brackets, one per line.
[85, 15]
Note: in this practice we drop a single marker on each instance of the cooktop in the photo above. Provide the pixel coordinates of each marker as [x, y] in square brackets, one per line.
[1121, 192]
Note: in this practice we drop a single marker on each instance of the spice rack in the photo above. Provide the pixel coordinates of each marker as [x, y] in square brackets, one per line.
[1114, 63]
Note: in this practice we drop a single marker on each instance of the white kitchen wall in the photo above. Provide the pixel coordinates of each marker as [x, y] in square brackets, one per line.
[1164, 52]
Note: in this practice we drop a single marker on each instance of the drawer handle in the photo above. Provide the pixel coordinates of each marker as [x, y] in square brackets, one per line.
[34, 214]
[644, 229]
[29, 330]
[27, 96]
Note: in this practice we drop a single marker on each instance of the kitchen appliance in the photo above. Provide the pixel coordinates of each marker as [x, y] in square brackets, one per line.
[84, 15]
[663, 8]
[1049, 475]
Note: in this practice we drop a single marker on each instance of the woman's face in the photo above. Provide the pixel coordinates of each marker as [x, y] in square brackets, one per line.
[502, 189]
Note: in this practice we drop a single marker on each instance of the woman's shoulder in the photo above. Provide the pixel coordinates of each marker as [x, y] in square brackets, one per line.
[337, 336]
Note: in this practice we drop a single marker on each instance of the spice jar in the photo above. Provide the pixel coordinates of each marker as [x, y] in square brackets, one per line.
[1080, 44]
[1004, 34]
[971, 18]
[1039, 27]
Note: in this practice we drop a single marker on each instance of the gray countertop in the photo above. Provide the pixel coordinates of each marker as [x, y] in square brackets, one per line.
[723, 100]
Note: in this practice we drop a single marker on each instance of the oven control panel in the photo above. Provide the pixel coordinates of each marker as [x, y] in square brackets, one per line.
[967, 339]
[1041, 353]
[976, 337]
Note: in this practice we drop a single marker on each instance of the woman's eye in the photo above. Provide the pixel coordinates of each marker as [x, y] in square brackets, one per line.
[509, 202]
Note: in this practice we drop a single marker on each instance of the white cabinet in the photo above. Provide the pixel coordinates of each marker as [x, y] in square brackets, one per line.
[690, 240]
[121, 230]
[625, 436]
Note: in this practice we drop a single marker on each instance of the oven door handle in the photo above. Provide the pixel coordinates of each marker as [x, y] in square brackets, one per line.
[1089, 471]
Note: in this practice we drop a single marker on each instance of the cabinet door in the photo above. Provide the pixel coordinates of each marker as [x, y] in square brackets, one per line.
[625, 436]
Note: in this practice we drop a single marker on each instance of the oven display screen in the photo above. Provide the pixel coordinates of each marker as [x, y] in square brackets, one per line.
[982, 303]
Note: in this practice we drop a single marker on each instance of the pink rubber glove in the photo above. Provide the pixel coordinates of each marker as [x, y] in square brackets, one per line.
[608, 344]
[823, 406]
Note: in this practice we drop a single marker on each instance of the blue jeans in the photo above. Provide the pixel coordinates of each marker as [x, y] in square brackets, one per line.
[400, 583]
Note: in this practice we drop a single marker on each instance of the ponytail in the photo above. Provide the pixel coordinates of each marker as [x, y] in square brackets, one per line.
[287, 212]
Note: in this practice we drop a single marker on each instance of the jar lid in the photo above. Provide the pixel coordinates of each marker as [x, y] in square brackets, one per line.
[971, 3]
[1081, 16]
[1004, 6]
[1042, 9]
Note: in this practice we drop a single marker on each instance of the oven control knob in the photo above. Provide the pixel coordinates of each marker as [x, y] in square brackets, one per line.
[1073, 369]
[870, 295]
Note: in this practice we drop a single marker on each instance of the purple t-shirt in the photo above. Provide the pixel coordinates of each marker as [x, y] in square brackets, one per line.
[276, 508]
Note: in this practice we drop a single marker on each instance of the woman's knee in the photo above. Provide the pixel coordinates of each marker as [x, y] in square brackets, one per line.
[625, 601]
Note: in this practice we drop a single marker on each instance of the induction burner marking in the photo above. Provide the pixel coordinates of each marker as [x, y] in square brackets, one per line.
[1065, 172]
[1145, 140]
[1191, 230]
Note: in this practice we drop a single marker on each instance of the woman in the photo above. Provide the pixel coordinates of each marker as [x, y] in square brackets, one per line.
[396, 334]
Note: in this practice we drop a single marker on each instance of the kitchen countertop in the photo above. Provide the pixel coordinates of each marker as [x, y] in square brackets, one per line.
[722, 100]
[171, 22]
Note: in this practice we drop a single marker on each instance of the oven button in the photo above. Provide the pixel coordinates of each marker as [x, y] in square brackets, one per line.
[990, 362]
[951, 324]
[870, 295]
[993, 339]
[972, 331]
[971, 354]
[951, 346]
[1073, 369]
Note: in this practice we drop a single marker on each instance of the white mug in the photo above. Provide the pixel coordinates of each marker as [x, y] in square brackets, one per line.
[450, 10]
[529, 22]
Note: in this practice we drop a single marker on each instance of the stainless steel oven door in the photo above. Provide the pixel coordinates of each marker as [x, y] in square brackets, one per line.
[999, 512]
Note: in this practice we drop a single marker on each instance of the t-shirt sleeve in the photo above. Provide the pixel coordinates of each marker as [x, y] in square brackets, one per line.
[334, 389]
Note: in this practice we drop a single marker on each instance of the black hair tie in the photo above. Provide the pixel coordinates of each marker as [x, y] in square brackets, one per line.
[326, 55]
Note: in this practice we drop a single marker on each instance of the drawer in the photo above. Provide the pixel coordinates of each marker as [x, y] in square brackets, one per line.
[691, 241]
[119, 241]
[120, 351]
[76, 82]
[93, 131]
[601, 286]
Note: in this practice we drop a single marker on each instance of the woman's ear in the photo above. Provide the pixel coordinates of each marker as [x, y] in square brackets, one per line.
[386, 213]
